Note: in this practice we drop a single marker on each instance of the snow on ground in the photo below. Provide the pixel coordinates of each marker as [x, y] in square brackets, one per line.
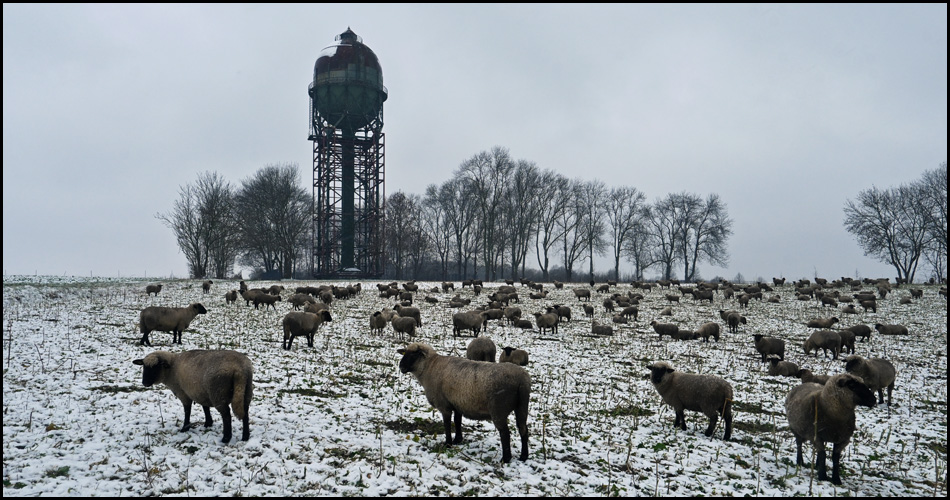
[340, 419]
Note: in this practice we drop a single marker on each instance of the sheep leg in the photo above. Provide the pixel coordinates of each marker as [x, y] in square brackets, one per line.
[207, 416]
[880, 396]
[225, 411]
[713, 420]
[836, 461]
[821, 461]
[458, 427]
[447, 421]
[680, 419]
[798, 444]
[187, 424]
[310, 339]
[727, 418]
[144, 340]
[501, 423]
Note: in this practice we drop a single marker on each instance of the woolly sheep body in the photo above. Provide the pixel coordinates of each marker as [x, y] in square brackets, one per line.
[481, 349]
[778, 367]
[297, 323]
[222, 379]
[547, 321]
[733, 319]
[206, 286]
[581, 293]
[861, 331]
[824, 340]
[598, 329]
[832, 406]
[266, 299]
[707, 330]
[404, 325]
[471, 320]
[168, 319]
[891, 329]
[877, 373]
[231, 297]
[769, 345]
[822, 322]
[479, 391]
[377, 322]
[710, 395]
[412, 312]
[512, 355]
[150, 289]
[664, 328]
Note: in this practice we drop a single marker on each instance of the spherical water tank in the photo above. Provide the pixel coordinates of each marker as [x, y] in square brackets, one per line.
[347, 90]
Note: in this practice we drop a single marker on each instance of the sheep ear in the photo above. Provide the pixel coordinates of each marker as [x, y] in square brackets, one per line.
[138, 362]
[401, 351]
[670, 370]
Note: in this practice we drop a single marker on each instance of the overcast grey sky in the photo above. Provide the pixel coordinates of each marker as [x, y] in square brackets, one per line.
[785, 111]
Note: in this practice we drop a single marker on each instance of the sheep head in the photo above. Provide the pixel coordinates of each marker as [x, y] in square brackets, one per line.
[412, 355]
[154, 366]
[659, 370]
[862, 395]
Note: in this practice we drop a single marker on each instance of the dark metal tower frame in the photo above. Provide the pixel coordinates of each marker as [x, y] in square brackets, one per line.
[342, 159]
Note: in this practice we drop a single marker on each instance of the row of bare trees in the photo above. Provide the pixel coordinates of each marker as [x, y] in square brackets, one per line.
[901, 225]
[496, 214]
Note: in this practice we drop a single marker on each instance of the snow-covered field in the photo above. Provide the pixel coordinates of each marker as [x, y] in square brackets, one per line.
[340, 419]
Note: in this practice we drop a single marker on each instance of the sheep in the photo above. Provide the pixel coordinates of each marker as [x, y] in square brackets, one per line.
[822, 322]
[778, 367]
[847, 340]
[630, 311]
[707, 394]
[685, 335]
[512, 314]
[512, 355]
[377, 322]
[404, 325]
[825, 413]
[620, 320]
[673, 298]
[266, 299]
[581, 293]
[221, 378]
[733, 319]
[808, 377]
[916, 293]
[561, 311]
[869, 304]
[446, 286]
[150, 289]
[298, 323]
[471, 320]
[891, 329]
[598, 329]
[877, 373]
[849, 309]
[861, 331]
[412, 312]
[828, 301]
[316, 307]
[547, 321]
[824, 340]
[664, 328]
[589, 310]
[231, 297]
[769, 345]
[524, 324]
[479, 391]
[206, 286]
[667, 311]
[481, 349]
[707, 330]
[299, 300]
[248, 295]
[609, 305]
[168, 319]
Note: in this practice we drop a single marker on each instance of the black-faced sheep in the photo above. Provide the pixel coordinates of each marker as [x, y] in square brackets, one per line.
[471, 320]
[808, 377]
[708, 394]
[206, 286]
[524, 324]
[298, 323]
[824, 340]
[266, 299]
[512, 355]
[231, 297]
[547, 321]
[150, 289]
[479, 391]
[598, 329]
[822, 322]
[481, 349]
[778, 367]
[861, 331]
[769, 345]
[168, 319]
[664, 328]
[891, 329]
[734, 319]
[825, 414]
[377, 322]
[707, 330]
[221, 379]
[877, 374]
[588, 310]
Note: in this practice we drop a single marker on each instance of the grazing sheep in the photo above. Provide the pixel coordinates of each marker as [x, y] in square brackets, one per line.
[231, 297]
[916, 293]
[702, 295]
[664, 328]
[297, 323]
[377, 322]
[861, 331]
[479, 391]
[446, 286]
[404, 325]
[620, 320]
[481, 349]
[685, 335]
[708, 394]
[707, 330]
[734, 319]
[512, 355]
[609, 305]
[877, 373]
[847, 340]
[891, 329]
[667, 311]
[673, 298]
[828, 301]
[547, 321]
[630, 311]
[299, 300]
[562, 312]
[808, 377]
[778, 367]
[769, 345]
[150, 289]
[221, 379]
[412, 312]
[581, 293]
[168, 319]
[471, 320]
[824, 340]
[598, 329]
[825, 414]
[869, 304]
[266, 299]
[822, 322]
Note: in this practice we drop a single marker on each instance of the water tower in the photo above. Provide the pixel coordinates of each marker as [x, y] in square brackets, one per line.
[346, 129]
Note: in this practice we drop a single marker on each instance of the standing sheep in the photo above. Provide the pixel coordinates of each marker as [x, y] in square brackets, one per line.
[206, 286]
[825, 414]
[547, 321]
[168, 319]
[581, 293]
[512, 355]
[769, 345]
[231, 297]
[707, 394]
[481, 349]
[707, 330]
[150, 289]
[404, 325]
[479, 391]
[377, 322]
[861, 331]
[297, 323]
[664, 328]
[877, 373]
[734, 319]
[471, 320]
[222, 379]
[824, 340]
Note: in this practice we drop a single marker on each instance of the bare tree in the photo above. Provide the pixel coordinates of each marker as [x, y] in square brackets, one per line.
[488, 175]
[933, 190]
[403, 232]
[889, 225]
[640, 244]
[203, 224]
[569, 225]
[623, 207]
[522, 207]
[435, 223]
[273, 216]
[708, 229]
[665, 224]
[555, 199]
[591, 197]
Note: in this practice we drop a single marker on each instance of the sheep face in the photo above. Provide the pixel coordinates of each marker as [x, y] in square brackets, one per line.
[412, 355]
[658, 371]
[153, 367]
[860, 392]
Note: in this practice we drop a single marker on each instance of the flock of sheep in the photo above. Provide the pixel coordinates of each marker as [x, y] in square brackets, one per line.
[820, 410]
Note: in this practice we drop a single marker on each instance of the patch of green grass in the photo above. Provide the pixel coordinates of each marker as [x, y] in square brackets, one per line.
[112, 389]
[739, 406]
[57, 471]
[753, 427]
[419, 425]
[628, 410]
[310, 392]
